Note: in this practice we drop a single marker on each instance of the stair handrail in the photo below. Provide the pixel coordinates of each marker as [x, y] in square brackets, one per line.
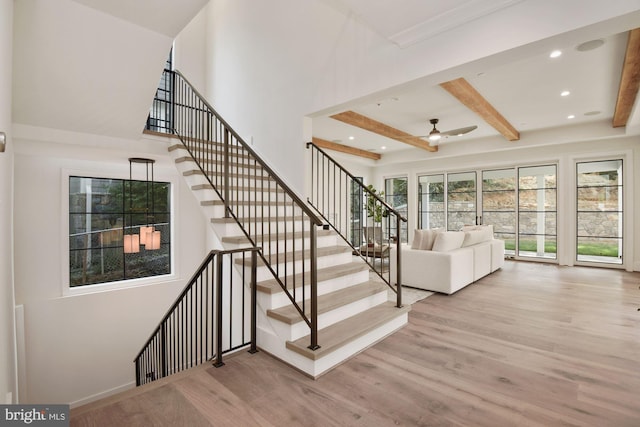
[203, 136]
[160, 354]
[307, 210]
[388, 212]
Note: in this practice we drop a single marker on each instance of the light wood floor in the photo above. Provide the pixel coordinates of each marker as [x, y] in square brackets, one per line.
[530, 345]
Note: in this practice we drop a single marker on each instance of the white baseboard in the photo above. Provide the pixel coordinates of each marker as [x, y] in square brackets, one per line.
[102, 395]
[636, 266]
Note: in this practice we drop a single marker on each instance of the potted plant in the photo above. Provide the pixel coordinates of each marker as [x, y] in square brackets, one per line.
[375, 210]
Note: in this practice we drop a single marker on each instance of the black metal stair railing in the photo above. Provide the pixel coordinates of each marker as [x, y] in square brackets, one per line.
[335, 195]
[269, 213]
[202, 324]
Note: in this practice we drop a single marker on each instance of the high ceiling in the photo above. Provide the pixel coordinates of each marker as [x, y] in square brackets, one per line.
[92, 66]
[523, 85]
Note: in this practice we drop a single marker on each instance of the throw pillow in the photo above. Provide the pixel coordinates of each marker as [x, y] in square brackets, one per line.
[428, 237]
[473, 237]
[417, 238]
[448, 240]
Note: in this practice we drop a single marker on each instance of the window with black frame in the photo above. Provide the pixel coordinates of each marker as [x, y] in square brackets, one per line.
[599, 211]
[160, 117]
[357, 212]
[101, 212]
[396, 195]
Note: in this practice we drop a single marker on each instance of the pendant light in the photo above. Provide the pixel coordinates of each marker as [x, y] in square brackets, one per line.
[148, 236]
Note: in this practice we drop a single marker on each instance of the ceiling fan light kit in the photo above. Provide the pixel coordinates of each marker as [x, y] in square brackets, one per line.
[434, 135]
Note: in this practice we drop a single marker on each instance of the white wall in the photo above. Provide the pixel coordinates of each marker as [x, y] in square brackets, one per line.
[190, 50]
[8, 384]
[81, 347]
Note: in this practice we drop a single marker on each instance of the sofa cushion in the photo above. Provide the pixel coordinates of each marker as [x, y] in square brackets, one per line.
[428, 238]
[417, 238]
[475, 236]
[478, 227]
[446, 241]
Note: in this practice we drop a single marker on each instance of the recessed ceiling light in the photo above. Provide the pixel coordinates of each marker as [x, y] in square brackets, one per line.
[571, 116]
[555, 54]
[383, 147]
[565, 93]
[590, 45]
[351, 138]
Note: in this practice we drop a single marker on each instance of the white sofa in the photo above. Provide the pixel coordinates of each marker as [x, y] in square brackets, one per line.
[446, 261]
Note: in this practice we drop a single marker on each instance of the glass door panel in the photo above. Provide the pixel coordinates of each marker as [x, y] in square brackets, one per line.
[461, 200]
[396, 195]
[599, 211]
[537, 213]
[431, 212]
[357, 212]
[499, 205]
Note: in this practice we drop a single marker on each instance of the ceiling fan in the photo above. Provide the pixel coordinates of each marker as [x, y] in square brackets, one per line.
[435, 135]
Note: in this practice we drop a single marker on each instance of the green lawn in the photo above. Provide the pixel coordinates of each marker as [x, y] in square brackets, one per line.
[596, 249]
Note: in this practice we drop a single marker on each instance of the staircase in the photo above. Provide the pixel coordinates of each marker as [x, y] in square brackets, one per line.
[353, 311]
[316, 303]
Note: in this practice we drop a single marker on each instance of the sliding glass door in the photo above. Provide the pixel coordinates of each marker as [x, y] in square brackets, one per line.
[537, 212]
[599, 211]
[431, 201]
[396, 195]
[499, 205]
[461, 200]
[519, 202]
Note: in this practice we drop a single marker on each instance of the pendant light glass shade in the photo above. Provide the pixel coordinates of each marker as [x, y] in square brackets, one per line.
[153, 240]
[148, 236]
[131, 243]
[144, 231]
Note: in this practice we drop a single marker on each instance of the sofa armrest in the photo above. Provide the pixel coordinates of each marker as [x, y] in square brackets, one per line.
[444, 272]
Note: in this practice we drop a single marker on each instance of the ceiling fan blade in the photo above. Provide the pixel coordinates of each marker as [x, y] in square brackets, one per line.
[459, 131]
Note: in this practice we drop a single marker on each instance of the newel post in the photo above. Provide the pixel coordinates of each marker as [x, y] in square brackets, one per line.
[398, 266]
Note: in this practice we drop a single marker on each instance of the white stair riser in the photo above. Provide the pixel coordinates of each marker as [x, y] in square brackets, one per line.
[300, 329]
[280, 299]
[272, 344]
[231, 228]
[216, 164]
[263, 273]
[281, 245]
[260, 196]
[255, 212]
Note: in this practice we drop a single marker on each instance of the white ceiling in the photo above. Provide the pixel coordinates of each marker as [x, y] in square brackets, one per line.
[92, 66]
[166, 17]
[523, 85]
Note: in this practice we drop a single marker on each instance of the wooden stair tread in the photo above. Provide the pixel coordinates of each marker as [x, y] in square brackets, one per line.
[233, 175]
[330, 301]
[271, 286]
[279, 236]
[337, 335]
[243, 220]
[218, 149]
[297, 255]
[245, 203]
[208, 186]
[253, 165]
